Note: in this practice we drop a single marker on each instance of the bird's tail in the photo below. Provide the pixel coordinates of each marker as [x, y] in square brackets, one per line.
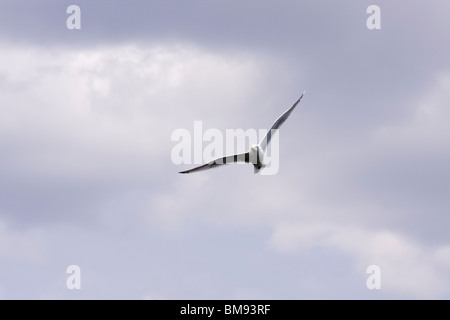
[257, 168]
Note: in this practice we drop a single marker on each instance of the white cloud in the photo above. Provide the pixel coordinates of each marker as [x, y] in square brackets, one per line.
[104, 116]
[407, 267]
[112, 109]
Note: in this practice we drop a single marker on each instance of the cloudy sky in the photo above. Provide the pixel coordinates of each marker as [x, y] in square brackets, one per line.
[87, 178]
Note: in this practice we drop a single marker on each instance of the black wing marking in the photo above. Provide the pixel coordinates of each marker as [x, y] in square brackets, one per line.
[242, 157]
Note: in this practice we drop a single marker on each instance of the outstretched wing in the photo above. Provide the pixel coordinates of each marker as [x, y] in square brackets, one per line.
[242, 157]
[264, 142]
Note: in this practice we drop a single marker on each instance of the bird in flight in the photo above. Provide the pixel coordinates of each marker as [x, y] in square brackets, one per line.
[256, 153]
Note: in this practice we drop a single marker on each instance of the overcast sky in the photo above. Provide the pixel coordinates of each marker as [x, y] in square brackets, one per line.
[87, 179]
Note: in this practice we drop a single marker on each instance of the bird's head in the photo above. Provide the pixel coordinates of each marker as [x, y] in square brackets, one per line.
[254, 147]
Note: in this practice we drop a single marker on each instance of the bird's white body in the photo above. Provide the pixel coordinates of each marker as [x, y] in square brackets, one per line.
[256, 157]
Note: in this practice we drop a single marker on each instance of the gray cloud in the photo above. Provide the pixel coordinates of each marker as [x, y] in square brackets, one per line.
[85, 142]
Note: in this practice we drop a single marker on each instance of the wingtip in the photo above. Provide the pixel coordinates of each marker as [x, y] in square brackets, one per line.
[300, 97]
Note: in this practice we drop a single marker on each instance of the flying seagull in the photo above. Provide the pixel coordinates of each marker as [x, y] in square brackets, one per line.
[256, 153]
